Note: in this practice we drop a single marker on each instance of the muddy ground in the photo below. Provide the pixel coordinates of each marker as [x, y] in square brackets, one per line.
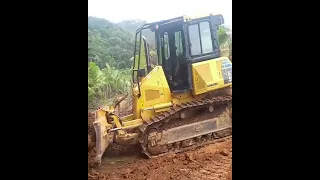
[210, 162]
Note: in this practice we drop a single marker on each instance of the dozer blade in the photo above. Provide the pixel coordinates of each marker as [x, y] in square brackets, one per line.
[101, 127]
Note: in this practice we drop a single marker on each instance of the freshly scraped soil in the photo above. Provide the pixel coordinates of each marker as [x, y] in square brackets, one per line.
[210, 162]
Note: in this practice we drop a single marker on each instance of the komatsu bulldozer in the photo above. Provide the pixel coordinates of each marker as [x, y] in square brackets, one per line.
[182, 102]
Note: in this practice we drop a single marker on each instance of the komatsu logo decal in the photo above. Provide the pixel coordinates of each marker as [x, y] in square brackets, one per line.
[213, 84]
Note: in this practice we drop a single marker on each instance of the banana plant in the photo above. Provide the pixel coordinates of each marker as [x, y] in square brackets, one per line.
[225, 38]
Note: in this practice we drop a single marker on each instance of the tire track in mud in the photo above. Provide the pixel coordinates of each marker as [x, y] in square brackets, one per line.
[213, 162]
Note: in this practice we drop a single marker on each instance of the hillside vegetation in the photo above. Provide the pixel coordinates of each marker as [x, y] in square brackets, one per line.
[109, 43]
[110, 52]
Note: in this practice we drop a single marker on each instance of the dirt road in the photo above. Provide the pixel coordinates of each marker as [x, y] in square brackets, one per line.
[212, 162]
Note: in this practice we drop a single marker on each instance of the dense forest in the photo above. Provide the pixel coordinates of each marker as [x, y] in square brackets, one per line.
[110, 49]
[110, 54]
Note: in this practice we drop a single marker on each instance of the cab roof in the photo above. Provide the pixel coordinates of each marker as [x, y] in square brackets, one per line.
[184, 18]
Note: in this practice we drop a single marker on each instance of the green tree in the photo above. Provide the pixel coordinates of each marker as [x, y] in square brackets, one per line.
[109, 43]
[225, 40]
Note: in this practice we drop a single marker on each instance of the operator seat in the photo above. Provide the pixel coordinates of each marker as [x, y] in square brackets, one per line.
[178, 73]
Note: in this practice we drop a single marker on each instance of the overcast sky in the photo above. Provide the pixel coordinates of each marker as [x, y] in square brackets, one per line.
[118, 10]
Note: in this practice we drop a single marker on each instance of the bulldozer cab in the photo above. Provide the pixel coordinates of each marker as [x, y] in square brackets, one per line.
[179, 43]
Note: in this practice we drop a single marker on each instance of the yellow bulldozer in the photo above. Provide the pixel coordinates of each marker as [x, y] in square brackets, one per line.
[183, 102]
